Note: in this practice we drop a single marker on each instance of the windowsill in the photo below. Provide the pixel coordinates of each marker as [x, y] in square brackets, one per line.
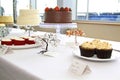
[97, 22]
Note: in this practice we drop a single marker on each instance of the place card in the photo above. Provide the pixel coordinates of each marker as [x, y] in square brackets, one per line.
[79, 68]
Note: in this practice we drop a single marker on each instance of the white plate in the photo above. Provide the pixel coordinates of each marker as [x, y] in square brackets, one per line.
[37, 44]
[115, 55]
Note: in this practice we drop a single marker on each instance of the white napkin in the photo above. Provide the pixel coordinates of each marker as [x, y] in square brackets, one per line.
[5, 49]
[79, 68]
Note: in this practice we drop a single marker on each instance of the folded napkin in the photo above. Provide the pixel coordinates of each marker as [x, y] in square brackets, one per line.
[79, 68]
[5, 49]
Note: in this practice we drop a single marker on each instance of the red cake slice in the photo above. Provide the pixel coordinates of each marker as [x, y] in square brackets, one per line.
[6, 42]
[31, 41]
[26, 38]
[19, 41]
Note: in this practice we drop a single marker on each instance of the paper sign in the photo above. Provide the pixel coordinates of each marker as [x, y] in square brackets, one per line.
[79, 68]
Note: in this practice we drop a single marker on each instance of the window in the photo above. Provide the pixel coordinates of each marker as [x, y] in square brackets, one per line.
[101, 10]
[8, 7]
[81, 9]
[105, 10]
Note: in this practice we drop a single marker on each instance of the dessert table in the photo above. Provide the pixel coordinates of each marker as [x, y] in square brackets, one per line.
[26, 64]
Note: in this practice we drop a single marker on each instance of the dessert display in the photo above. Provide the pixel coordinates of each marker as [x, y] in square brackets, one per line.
[6, 42]
[28, 16]
[58, 15]
[102, 50]
[29, 40]
[6, 19]
[17, 41]
[1, 25]
[87, 49]
[76, 32]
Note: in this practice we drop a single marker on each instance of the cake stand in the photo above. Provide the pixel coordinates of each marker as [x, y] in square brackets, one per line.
[58, 26]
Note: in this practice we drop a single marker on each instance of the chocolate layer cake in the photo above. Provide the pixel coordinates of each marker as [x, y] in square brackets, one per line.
[58, 15]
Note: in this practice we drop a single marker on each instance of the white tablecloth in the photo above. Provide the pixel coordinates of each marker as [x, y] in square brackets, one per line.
[26, 64]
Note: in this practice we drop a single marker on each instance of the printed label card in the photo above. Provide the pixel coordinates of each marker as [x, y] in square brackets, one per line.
[79, 68]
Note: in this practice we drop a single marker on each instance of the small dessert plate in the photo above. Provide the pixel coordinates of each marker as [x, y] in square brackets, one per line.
[115, 56]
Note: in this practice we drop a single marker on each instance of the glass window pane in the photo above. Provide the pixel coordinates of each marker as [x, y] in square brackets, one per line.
[81, 9]
[103, 5]
[105, 10]
[8, 7]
